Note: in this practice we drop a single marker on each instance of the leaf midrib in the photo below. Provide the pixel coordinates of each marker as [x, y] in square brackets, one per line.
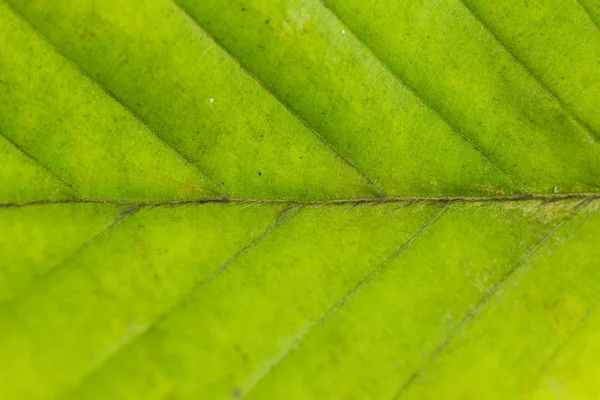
[358, 200]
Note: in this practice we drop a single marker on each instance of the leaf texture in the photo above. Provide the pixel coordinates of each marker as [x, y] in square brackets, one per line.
[299, 199]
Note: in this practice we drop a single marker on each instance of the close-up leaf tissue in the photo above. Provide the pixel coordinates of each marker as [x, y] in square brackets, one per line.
[300, 199]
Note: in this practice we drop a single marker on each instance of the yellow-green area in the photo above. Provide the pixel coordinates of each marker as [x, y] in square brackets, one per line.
[429, 300]
[299, 199]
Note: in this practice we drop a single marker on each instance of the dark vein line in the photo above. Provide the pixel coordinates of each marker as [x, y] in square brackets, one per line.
[430, 106]
[351, 294]
[285, 215]
[272, 93]
[588, 12]
[111, 95]
[484, 301]
[47, 274]
[373, 201]
[553, 96]
[35, 160]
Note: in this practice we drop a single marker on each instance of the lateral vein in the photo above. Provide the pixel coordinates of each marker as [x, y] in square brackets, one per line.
[551, 94]
[111, 95]
[478, 309]
[304, 122]
[109, 229]
[34, 159]
[351, 294]
[431, 107]
[285, 215]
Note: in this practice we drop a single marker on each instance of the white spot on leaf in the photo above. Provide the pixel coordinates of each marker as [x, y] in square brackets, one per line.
[296, 20]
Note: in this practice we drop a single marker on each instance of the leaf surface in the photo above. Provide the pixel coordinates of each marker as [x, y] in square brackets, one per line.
[299, 199]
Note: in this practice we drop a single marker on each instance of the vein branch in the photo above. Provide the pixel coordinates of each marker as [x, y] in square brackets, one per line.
[35, 160]
[285, 215]
[582, 124]
[374, 273]
[110, 94]
[479, 308]
[109, 229]
[272, 93]
[429, 105]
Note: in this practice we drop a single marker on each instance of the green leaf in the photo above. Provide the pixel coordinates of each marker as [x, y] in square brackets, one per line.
[299, 199]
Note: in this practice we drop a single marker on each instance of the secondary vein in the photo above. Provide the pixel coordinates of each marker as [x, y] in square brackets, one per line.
[34, 159]
[430, 106]
[304, 122]
[582, 124]
[486, 298]
[109, 229]
[351, 294]
[285, 215]
[110, 94]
